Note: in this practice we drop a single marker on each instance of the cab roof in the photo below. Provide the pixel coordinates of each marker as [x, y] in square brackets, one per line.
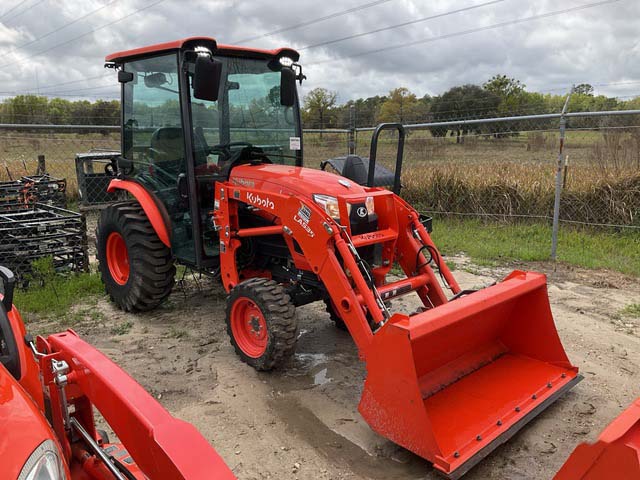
[215, 47]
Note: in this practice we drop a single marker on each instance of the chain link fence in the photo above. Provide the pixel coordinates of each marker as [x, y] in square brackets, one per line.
[79, 154]
[505, 168]
[498, 168]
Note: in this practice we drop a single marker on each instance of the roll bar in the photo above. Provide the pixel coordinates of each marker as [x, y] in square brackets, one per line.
[374, 150]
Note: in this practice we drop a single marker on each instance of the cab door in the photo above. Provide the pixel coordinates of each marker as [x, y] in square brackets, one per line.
[153, 141]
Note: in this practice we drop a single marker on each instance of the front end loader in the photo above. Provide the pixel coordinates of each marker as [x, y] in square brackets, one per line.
[212, 156]
[49, 391]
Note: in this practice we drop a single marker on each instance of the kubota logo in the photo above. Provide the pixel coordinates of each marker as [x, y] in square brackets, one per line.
[258, 201]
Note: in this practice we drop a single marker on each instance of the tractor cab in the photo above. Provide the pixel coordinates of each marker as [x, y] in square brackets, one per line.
[192, 110]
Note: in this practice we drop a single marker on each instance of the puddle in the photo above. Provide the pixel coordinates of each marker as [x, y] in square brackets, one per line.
[321, 378]
[308, 361]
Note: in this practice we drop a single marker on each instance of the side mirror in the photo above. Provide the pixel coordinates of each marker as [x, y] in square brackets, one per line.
[206, 78]
[125, 77]
[287, 87]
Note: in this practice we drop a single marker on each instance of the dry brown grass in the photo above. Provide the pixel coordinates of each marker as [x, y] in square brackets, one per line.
[616, 154]
[512, 175]
[18, 149]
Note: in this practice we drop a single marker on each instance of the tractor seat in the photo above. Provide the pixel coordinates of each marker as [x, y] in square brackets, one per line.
[356, 169]
[167, 144]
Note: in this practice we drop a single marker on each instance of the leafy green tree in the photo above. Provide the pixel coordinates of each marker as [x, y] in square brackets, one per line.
[463, 102]
[106, 112]
[367, 110]
[59, 111]
[27, 109]
[513, 97]
[317, 107]
[504, 86]
[400, 106]
[583, 89]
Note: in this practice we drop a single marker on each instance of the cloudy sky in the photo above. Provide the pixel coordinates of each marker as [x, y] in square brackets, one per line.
[58, 46]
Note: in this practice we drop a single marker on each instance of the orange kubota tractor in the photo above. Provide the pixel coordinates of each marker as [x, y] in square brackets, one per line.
[212, 155]
[48, 391]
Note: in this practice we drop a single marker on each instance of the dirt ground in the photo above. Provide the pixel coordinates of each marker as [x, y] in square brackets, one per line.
[301, 422]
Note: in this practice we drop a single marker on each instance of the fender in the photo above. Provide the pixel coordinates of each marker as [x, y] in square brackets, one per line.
[147, 203]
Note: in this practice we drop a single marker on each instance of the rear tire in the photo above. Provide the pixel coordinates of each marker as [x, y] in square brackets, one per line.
[261, 323]
[135, 266]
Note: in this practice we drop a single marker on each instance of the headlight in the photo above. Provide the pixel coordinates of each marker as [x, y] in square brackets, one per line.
[371, 207]
[330, 205]
[43, 464]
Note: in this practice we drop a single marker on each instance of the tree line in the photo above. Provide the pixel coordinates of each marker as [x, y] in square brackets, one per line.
[497, 97]
[35, 109]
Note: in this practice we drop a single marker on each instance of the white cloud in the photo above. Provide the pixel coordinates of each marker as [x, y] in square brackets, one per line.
[597, 45]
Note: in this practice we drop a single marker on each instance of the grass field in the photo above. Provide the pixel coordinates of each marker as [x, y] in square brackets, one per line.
[505, 176]
[514, 175]
[19, 152]
[490, 243]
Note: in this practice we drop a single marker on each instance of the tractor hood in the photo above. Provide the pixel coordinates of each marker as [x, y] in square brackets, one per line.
[300, 181]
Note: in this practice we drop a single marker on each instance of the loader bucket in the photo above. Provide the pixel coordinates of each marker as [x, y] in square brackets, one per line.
[454, 382]
[616, 453]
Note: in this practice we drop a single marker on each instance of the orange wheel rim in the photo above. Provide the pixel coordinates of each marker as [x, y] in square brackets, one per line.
[117, 258]
[249, 328]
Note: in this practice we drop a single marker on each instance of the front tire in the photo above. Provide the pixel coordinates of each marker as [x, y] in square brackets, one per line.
[261, 323]
[334, 315]
[135, 266]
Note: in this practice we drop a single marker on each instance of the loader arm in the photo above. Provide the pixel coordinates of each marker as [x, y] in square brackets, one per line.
[450, 382]
[162, 446]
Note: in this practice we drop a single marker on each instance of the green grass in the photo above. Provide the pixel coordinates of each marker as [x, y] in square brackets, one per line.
[57, 295]
[490, 243]
[122, 328]
[631, 310]
[81, 316]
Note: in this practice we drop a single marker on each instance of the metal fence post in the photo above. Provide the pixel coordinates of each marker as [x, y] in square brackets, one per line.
[352, 130]
[559, 165]
[42, 166]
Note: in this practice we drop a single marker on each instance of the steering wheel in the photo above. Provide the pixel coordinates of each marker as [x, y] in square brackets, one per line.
[248, 154]
[225, 148]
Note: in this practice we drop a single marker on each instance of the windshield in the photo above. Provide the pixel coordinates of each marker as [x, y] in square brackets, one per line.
[248, 110]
